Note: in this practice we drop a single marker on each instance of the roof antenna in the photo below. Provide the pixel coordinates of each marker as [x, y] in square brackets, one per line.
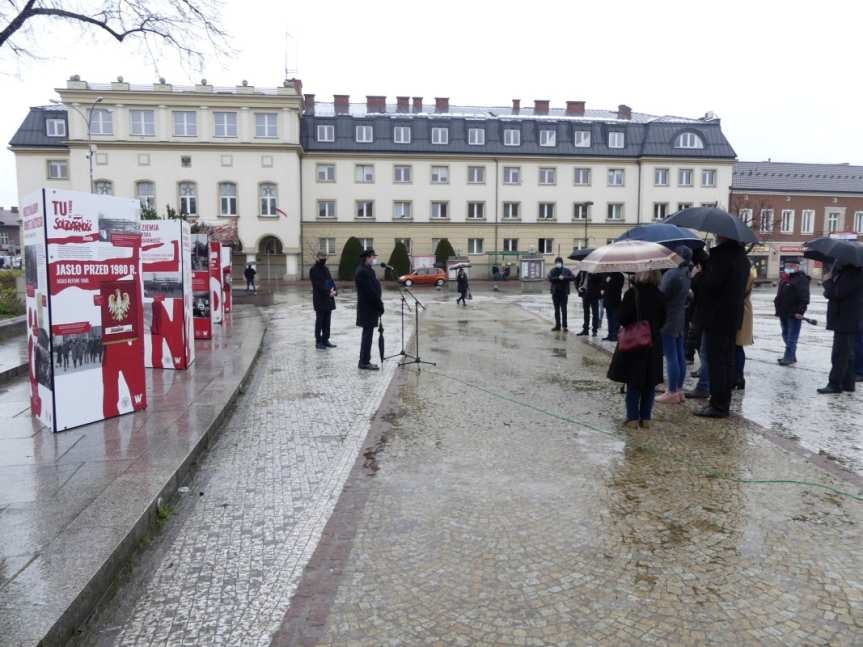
[290, 70]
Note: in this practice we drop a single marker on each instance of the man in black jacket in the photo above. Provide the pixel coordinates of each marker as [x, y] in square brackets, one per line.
[560, 277]
[719, 311]
[370, 306]
[792, 299]
[323, 299]
[612, 289]
[843, 288]
[590, 291]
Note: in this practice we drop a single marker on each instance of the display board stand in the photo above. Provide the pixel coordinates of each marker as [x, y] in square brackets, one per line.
[201, 303]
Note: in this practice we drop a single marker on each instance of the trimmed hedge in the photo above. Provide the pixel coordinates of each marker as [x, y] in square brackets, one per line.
[443, 252]
[400, 262]
[350, 259]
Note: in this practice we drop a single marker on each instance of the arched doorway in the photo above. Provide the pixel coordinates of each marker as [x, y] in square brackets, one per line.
[271, 259]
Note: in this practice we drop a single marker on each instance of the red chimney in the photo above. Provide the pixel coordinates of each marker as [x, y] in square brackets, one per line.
[624, 112]
[441, 104]
[342, 102]
[540, 106]
[418, 104]
[309, 104]
[376, 104]
[575, 108]
[403, 104]
[516, 106]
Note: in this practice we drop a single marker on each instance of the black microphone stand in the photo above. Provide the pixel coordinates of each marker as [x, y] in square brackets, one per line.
[411, 359]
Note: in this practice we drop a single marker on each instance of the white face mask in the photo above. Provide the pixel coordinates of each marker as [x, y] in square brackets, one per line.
[374, 260]
[560, 265]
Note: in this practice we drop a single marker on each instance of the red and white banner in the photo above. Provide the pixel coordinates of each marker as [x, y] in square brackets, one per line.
[227, 278]
[217, 304]
[201, 307]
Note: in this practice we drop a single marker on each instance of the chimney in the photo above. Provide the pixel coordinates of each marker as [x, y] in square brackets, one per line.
[403, 104]
[575, 108]
[376, 103]
[342, 103]
[441, 104]
[309, 104]
[624, 112]
[540, 106]
[418, 104]
[516, 106]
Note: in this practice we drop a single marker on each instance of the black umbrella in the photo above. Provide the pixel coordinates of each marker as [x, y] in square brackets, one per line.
[381, 339]
[715, 221]
[666, 234]
[827, 250]
[580, 254]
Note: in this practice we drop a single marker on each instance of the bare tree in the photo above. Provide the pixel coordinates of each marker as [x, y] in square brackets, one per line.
[187, 27]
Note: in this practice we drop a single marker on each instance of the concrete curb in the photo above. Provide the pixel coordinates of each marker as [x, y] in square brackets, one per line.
[100, 583]
[12, 373]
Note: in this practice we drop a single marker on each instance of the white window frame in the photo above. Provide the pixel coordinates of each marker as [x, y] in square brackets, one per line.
[142, 123]
[402, 173]
[614, 209]
[509, 207]
[476, 174]
[616, 139]
[661, 207]
[185, 123]
[828, 223]
[858, 222]
[683, 205]
[688, 140]
[509, 172]
[616, 177]
[510, 244]
[787, 218]
[322, 172]
[580, 212]
[224, 124]
[547, 175]
[581, 139]
[325, 133]
[360, 175]
[685, 172]
[511, 137]
[401, 134]
[660, 176]
[439, 135]
[364, 209]
[582, 172]
[476, 136]
[57, 169]
[55, 127]
[545, 245]
[807, 221]
[266, 125]
[188, 198]
[475, 246]
[329, 209]
[402, 210]
[765, 224]
[367, 243]
[547, 137]
[546, 212]
[101, 122]
[103, 187]
[442, 209]
[364, 134]
[476, 210]
[228, 203]
[439, 174]
[708, 177]
[147, 200]
[745, 216]
[327, 245]
[268, 199]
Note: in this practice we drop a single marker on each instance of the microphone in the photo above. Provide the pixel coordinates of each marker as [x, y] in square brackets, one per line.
[387, 267]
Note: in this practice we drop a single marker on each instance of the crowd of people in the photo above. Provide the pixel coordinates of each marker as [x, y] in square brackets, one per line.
[77, 351]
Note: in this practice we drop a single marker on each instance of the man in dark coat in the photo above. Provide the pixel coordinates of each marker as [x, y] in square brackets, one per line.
[370, 306]
[719, 312]
[323, 299]
[792, 299]
[843, 288]
[612, 289]
[249, 274]
[590, 290]
[560, 277]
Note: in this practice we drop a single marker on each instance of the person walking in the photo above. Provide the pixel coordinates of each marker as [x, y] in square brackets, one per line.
[720, 314]
[590, 291]
[792, 299]
[640, 369]
[323, 299]
[843, 288]
[370, 306]
[559, 279]
[462, 285]
[612, 289]
[675, 288]
[249, 274]
[745, 336]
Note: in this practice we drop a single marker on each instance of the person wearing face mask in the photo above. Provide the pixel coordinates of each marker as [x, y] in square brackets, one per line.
[370, 306]
[792, 299]
[323, 299]
[560, 277]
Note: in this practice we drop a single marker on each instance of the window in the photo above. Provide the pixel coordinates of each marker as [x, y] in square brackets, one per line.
[510, 244]
[326, 208]
[615, 176]
[185, 123]
[103, 187]
[407, 242]
[268, 196]
[476, 210]
[745, 216]
[660, 210]
[474, 245]
[787, 224]
[511, 174]
[100, 122]
[582, 139]
[766, 223]
[684, 177]
[582, 177]
[186, 161]
[367, 243]
[546, 211]
[683, 205]
[327, 246]
[145, 191]
[476, 175]
[439, 135]
[58, 170]
[547, 175]
[511, 211]
[807, 221]
[546, 245]
[579, 243]
[833, 222]
[227, 199]
[364, 134]
[326, 172]
[439, 210]
[402, 134]
[188, 199]
[708, 177]
[440, 174]
[225, 124]
[476, 136]
[401, 174]
[365, 209]
[511, 137]
[547, 137]
[615, 211]
[55, 127]
[266, 124]
[660, 177]
[401, 210]
[615, 139]
[688, 140]
[364, 173]
[326, 133]
[581, 211]
[143, 122]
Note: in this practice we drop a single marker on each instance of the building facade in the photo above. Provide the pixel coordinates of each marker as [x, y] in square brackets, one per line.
[787, 204]
[10, 232]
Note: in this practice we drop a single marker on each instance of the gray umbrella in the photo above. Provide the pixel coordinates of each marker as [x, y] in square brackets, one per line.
[715, 221]
[827, 250]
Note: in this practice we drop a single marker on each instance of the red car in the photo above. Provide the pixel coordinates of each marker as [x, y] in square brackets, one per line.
[424, 276]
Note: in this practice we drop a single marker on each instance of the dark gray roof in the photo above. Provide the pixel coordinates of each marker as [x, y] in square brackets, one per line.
[33, 131]
[802, 178]
[9, 218]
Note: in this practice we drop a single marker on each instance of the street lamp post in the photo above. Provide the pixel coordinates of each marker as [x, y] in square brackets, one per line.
[587, 206]
[88, 119]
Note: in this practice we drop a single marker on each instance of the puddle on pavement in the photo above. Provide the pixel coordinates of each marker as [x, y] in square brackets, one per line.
[559, 352]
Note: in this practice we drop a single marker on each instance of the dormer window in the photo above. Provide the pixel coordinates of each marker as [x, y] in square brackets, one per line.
[615, 139]
[326, 133]
[688, 140]
[476, 136]
[364, 134]
[402, 134]
[547, 137]
[582, 139]
[55, 128]
[439, 135]
[511, 137]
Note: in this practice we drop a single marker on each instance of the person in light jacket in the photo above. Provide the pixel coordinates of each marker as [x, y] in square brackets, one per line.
[745, 336]
[675, 288]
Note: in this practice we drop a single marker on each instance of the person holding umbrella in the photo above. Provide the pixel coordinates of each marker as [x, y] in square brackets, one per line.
[370, 306]
[559, 278]
[463, 286]
[792, 299]
[843, 288]
[323, 300]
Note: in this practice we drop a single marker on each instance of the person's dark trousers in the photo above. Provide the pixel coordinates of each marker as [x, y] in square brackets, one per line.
[366, 345]
[462, 296]
[693, 342]
[590, 306]
[639, 402]
[613, 324]
[322, 325]
[560, 303]
[842, 360]
[721, 350]
[858, 355]
[739, 365]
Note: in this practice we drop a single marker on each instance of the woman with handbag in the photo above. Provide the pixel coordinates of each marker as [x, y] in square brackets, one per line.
[637, 360]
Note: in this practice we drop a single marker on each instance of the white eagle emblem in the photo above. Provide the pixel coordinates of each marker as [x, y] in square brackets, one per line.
[118, 305]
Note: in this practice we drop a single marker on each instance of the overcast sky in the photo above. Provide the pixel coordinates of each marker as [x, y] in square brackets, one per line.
[783, 76]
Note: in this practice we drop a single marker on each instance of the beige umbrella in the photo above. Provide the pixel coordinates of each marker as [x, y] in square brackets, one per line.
[629, 256]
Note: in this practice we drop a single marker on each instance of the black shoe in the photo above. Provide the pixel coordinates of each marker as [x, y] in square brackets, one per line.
[327, 344]
[859, 378]
[848, 389]
[594, 333]
[696, 395]
[786, 362]
[741, 385]
[555, 329]
[695, 373]
[711, 412]
[369, 367]
[829, 389]
[581, 334]
[320, 345]
[565, 329]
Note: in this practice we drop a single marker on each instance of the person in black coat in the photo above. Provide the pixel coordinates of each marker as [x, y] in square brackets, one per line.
[462, 285]
[559, 279]
[323, 299]
[719, 313]
[249, 274]
[612, 289]
[792, 299]
[641, 369]
[590, 290]
[370, 306]
[843, 288]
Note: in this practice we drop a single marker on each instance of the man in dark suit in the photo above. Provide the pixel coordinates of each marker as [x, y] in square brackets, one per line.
[843, 288]
[323, 299]
[612, 291]
[370, 306]
[589, 288]
[559, 278]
